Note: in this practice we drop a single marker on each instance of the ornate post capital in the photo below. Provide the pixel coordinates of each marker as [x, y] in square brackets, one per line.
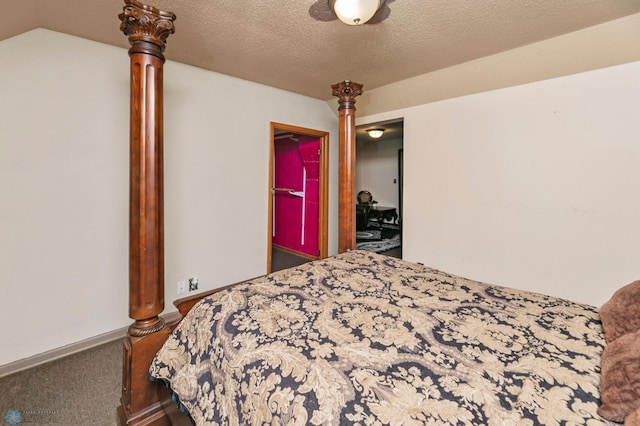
[347, 91]
[146, 27]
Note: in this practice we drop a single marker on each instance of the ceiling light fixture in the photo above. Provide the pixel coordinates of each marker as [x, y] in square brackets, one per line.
[375, 133]
[355, 12]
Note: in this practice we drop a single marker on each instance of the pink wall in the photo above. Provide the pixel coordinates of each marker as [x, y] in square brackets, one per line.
[297, 167]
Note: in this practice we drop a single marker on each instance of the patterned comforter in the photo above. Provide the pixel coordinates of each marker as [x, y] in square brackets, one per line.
[366, 339]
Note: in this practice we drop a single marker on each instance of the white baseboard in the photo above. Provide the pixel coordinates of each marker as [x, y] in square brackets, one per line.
[52, 355]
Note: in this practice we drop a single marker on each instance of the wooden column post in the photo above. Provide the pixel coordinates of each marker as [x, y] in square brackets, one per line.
[147, 29]
[346, 92]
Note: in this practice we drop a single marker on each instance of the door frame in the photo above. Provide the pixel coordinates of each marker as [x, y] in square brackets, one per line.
[323, 204]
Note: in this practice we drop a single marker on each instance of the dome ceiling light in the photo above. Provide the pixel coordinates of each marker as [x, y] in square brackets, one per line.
[355, 12]
[351, 12]
[375, 133]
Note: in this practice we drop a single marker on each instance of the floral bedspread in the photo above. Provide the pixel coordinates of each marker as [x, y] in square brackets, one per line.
[366, 339]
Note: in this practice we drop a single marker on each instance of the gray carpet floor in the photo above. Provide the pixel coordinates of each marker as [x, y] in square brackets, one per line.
[80, 389]
[282, 259]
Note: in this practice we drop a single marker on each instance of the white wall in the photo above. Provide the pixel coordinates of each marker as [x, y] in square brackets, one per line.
[534, 186]
[216, 177]
[377, 170]
[63, 264]
[64, 184]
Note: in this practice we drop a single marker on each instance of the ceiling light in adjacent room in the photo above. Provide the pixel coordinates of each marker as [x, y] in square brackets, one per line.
[375, 133]
[355, 12]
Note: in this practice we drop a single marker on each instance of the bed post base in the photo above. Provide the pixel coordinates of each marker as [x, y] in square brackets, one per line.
[154, 415]
[140, 403]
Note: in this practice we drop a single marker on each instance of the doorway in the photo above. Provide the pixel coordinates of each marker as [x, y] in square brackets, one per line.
[379, 176]
[298, 193]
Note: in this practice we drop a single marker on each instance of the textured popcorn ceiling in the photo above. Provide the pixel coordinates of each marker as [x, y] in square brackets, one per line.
[278, 43]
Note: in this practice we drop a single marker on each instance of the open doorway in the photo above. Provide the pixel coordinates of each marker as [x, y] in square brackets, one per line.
[298, 192]
[379, 165]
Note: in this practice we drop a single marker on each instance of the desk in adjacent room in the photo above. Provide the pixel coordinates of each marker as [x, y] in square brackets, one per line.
[381, 214]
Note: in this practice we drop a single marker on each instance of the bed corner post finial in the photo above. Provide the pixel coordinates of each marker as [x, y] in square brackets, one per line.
[147, 29]
[346, 92]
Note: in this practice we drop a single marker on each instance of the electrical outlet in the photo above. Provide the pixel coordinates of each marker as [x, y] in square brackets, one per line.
[181, 287]
[193, 283]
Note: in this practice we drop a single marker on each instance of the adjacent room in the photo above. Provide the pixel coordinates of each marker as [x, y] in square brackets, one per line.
[509, 155]
[379, 159]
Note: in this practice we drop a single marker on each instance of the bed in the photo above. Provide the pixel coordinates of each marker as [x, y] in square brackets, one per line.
[363, 338]
[358, 338]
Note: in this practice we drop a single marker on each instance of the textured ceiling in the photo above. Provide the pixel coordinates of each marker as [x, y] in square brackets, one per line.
[279, 44]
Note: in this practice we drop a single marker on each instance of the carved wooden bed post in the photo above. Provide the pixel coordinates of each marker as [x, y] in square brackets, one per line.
[147, 29]
[346, 92]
